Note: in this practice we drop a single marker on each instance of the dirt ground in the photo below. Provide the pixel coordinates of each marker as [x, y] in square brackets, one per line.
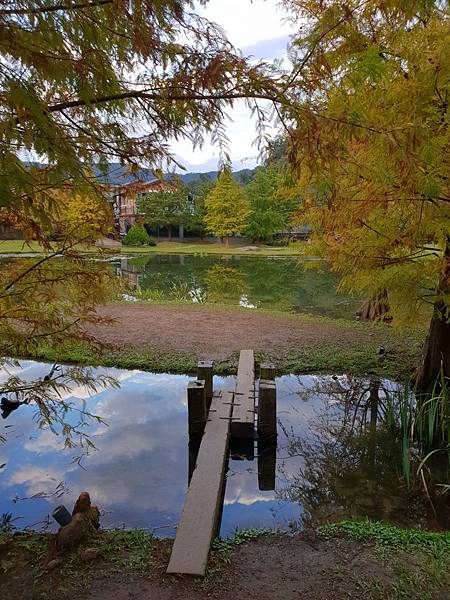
[268, 568]
[216, 333]
[281, 569]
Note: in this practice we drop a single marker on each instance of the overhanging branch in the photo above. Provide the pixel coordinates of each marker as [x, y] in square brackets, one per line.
[54, 8]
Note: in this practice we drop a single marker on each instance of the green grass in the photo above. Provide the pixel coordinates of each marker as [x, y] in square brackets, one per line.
[128, 549]
[161, 361]
[19, 246]
[395, 563]
[359, 358]
[390, 538]
[417, 560]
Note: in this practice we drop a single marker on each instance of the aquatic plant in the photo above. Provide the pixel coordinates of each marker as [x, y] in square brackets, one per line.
[424, 424]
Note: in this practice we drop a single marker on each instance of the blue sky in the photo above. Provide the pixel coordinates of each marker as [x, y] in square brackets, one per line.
[259, 29]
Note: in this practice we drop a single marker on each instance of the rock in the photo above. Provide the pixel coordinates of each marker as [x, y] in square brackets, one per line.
[129, 298]
[85, 520]
[106, 242]
[89, 554]
[83, 504]
[53, 564]
[71, 535]
[248, 249]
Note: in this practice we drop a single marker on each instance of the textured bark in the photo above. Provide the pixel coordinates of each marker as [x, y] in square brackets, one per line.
[376, 309]
[436, 352]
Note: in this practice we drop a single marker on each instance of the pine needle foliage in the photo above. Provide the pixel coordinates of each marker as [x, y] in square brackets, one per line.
[370, 147]
[227, 207]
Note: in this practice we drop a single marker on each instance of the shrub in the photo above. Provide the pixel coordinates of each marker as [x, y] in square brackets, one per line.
[137, 236]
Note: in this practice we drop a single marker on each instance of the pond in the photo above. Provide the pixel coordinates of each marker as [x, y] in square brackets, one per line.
[278, 283]
[332, 461]
[281, 283]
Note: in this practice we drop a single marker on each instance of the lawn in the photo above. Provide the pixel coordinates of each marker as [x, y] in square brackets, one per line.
[19, 247]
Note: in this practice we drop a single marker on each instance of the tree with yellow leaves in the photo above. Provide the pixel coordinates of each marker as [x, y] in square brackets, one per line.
[227, 208]
[371, 149]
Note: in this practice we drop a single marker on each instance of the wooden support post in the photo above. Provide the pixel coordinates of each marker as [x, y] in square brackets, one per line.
[199, 519]
[267, 462]
[205, 373]
[242, 449]
[197, 411]
[243, 423]
[267, 409]
[193, 448]
[266, 371]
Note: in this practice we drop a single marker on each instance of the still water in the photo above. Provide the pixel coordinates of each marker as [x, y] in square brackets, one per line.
[282, 283]
[279, 283]
[333, 459]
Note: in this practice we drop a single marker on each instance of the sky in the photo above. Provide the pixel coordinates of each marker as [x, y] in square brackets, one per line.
[259, 29]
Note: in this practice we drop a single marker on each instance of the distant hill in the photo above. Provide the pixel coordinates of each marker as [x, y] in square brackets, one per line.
[242, 176]
[117, 174]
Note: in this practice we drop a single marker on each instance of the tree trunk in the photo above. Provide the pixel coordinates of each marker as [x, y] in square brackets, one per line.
[436, 352]
[376, 309]
[227, 241]
[169, 232]
[181, 233]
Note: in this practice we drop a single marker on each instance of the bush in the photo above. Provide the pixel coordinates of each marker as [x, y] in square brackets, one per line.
[137, 236]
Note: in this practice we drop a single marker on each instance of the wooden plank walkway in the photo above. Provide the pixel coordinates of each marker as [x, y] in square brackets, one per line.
[243, 423]
[201, 510]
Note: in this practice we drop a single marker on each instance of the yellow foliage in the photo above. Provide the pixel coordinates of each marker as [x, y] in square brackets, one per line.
[85, 217]
[372, 148]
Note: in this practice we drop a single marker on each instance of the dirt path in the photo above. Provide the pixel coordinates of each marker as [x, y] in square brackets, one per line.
[281, 567]
[218, 332]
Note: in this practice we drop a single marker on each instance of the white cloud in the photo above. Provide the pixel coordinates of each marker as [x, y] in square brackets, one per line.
[258, 28]
[247, 21]
[37, 479]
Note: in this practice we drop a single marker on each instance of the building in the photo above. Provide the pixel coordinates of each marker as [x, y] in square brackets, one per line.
[124, 189]
[124, 199]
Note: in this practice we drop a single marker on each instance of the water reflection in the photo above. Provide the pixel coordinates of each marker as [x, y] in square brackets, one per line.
[335, 458]
[248, 281]
[282, 283]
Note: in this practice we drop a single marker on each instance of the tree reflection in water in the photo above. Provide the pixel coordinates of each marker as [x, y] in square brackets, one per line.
[351, 459]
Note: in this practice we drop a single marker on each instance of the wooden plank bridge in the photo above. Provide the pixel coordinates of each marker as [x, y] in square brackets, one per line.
[213, 417]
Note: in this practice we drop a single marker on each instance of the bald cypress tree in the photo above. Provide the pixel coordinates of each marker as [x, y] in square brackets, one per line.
[227, 208]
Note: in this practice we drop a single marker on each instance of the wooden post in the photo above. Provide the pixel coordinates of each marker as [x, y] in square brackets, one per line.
[267, 462]
[197, 412]
[267, 409]
[267, 371]
[205, 373]
[193, 448]
[243, 423]
[241, 449]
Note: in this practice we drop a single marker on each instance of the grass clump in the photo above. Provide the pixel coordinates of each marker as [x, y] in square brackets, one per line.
[416, 561]
[130, 549]
[390, 538]
[223, 547]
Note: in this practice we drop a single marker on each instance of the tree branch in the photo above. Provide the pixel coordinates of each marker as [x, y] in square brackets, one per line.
[136, 94]
[55, 8]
